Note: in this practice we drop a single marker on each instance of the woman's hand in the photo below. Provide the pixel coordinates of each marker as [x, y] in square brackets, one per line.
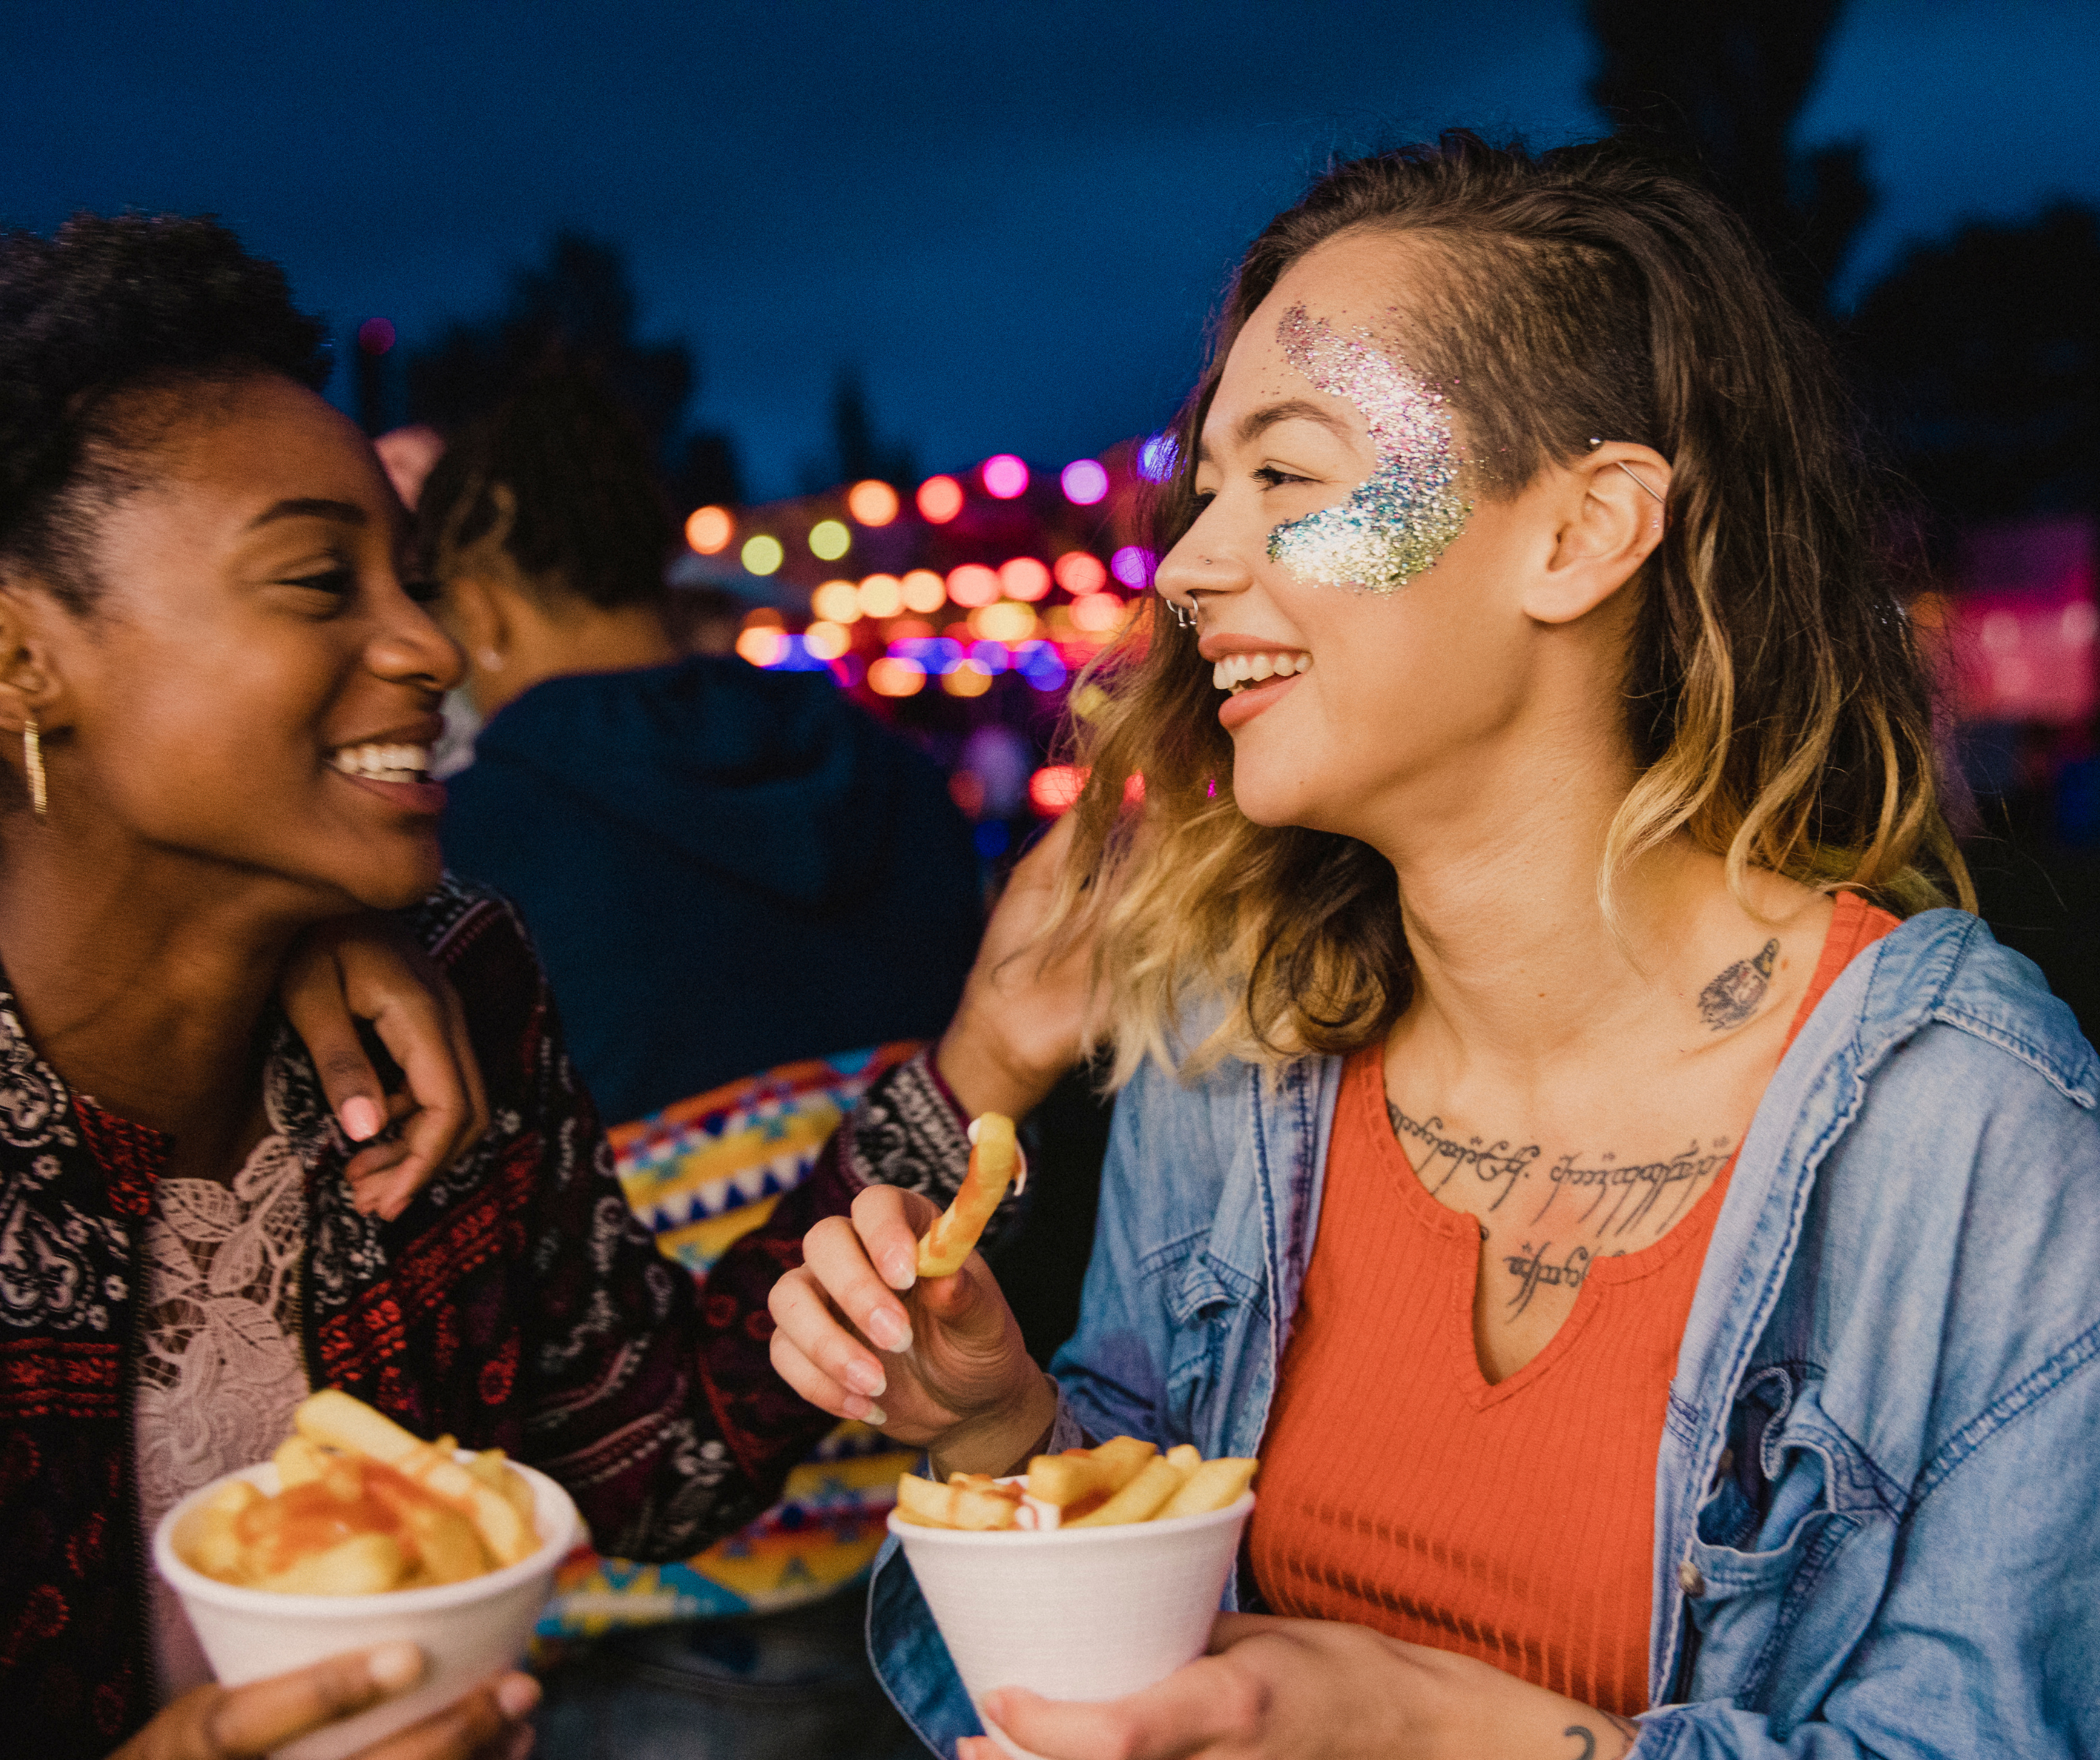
[249, 1722]
[944, 1359]
[1022, 1022]
[365, 968]
[1313, 1690]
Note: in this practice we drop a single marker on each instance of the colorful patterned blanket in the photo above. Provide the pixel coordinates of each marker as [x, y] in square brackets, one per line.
[700, 1174]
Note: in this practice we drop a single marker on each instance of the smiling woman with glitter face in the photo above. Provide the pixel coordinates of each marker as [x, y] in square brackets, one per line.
[1568, 1129]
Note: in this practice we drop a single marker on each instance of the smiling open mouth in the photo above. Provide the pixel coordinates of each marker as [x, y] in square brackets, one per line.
[383, 763]
[1235, 673]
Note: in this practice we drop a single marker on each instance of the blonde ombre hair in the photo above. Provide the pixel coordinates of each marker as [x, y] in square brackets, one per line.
[1775, 702]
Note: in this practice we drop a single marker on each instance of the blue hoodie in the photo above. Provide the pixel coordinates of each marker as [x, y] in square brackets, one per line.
[723, 869]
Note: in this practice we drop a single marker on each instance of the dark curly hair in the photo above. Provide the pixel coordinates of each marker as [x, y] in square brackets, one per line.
[589, 518]
[108, 307]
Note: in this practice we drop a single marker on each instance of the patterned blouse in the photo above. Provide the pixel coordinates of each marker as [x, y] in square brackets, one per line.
[516, 1304]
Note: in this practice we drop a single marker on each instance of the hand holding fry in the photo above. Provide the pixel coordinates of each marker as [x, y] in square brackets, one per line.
[939, 1363]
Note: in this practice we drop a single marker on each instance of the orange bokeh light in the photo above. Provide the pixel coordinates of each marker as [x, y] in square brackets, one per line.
[974, 584]
[708, 530]
[1098, 612]
[872, 503]
[1079, 573]
[940, 499]
[925, 591]
[881, 596]
[894, 677]
[1024, 579]
[1054, 788]
[760, 646]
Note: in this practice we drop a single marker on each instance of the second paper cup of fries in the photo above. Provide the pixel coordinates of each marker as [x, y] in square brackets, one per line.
[1096, 1574]
[356, 1534]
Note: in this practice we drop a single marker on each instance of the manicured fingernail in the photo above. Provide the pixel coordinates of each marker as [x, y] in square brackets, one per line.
[395, 1666]
[517, 1694]
[865, 1378]
[361, 1119]
[889, 1330]
[864, 1410]
[900, 1270]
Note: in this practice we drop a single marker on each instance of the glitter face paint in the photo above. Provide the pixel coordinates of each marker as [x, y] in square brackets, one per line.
[1402, 517]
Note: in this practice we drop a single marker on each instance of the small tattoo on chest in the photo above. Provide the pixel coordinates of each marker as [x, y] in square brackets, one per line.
[1529, 1267]
[1733, 997]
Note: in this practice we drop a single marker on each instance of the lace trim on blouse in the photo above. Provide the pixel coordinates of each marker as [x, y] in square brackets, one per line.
[220, 1368]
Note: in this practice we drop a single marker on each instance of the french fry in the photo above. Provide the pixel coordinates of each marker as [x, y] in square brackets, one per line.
[493, 1499]
[215, 1546]
[365, 1564]
[952, 1506]
[1216, 1484]
[508, 1535]
[300, 1461]
[445, 1542]
[493, 1469]
[335, 1420]
[994, 1159]
[1185, 1455]
[1139, 1500]
[1065, 1479]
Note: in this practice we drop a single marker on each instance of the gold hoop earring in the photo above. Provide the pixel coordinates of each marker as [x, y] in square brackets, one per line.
[33, 762]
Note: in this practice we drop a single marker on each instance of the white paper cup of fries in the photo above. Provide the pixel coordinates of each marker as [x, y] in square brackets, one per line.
[467, 1630]
[1077, 1613]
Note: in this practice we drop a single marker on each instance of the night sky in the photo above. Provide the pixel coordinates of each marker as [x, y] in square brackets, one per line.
[1011, 218]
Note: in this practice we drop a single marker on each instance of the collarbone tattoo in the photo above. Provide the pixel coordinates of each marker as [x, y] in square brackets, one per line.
[1602, 1196]
[1733, 996]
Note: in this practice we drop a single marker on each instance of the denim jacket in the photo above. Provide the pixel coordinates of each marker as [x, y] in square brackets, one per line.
[1878, 1500]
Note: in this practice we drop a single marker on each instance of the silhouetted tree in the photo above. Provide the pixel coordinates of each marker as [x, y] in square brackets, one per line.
[857, 451]
[1718, 84]
[576, 310]
[1982, 353]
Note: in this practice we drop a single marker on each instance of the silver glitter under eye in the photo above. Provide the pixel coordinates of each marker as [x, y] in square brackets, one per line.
[1401, 518]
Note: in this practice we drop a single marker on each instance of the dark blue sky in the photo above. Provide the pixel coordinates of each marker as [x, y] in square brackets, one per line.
[1013, 217]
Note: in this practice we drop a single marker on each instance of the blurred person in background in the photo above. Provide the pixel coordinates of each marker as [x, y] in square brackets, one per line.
[723, 869]
[752, 900]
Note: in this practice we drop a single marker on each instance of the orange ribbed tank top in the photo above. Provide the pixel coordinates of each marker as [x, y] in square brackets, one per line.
[1400, 1490]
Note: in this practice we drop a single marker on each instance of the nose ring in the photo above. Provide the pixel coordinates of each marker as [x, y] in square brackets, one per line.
[1185, 616]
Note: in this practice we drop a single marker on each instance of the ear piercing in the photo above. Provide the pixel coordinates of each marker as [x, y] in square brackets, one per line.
[33, 765]
[1597, 440]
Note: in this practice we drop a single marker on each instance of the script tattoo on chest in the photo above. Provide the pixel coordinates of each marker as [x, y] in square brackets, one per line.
[1733, 997]
[1530, 1267]
[1609, 1200]
[1441, 1157]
